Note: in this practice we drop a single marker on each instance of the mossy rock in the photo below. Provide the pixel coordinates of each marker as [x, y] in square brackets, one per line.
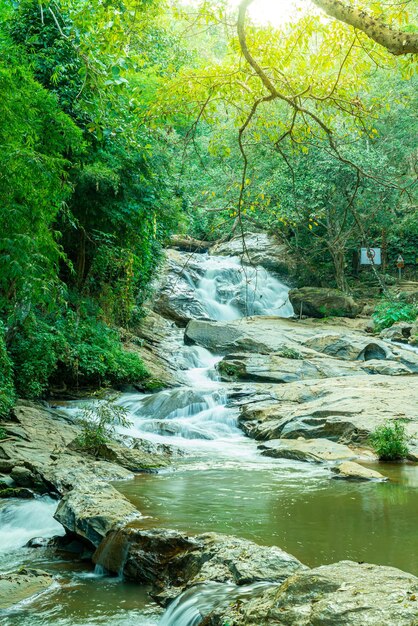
[321, 302]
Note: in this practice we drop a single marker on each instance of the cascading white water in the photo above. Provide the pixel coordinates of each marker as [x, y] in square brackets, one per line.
[196, 416]
[229, 290]
[195, 603]
[22, 520]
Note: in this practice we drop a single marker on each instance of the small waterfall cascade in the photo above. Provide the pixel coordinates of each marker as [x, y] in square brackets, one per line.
[226, 290]
[190, 607]
[22, 520]
[111, 554]
[229, 290]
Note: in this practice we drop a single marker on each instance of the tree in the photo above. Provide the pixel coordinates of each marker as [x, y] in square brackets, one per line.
[396, 41]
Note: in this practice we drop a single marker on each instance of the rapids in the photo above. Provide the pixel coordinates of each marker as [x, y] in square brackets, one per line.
[221, 484]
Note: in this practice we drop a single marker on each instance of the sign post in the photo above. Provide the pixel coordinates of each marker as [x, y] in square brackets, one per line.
[400, 263]
[370, 256]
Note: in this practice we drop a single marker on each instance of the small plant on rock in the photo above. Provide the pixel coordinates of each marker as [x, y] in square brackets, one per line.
[99, 421]
[390, 442]
[290, 353]
[388, 313]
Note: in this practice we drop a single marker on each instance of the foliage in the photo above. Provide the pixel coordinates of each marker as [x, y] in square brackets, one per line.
[117, 129]
[99, 421]
[3, 434]
[35, 137]
[72, 350]
[7, 392]
[389, 312]
[86, 189]
[390, 442]
[290, 353]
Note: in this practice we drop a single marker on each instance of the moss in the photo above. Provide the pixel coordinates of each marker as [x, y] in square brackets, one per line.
[290, 353]
[153, 384]
[231, 370]
[20, 492]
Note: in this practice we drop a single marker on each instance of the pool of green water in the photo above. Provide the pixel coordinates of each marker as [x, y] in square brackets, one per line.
[295, 506]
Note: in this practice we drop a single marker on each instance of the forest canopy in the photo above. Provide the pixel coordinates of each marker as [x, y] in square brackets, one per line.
[123, 123]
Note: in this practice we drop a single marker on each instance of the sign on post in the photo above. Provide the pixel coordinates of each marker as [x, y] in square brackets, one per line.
[371, 256]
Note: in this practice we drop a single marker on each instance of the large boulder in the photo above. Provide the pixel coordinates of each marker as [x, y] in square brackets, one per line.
[322, 302]
[170, 561]
[400, 332]
[353, 471]
[269, 335]
[154, 339]
[259, 249]
[91, 512]
[175, 296]
[341, 594]
[349, 346]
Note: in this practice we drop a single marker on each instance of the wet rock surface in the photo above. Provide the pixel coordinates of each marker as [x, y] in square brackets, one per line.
[282, 369]
[353, 471]
[310, 450]
[170, 561]
[22, 585]
[346, 410]
[91, 512]
[344, 593]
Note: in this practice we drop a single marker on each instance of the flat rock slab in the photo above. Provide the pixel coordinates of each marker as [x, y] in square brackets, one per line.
[310, 450]
[341, 409]
[294, 366]
[21, 585]
[344, 593]
[354, 471]
[274, 335]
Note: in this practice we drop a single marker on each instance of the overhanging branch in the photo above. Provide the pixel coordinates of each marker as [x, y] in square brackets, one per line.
[397, 42]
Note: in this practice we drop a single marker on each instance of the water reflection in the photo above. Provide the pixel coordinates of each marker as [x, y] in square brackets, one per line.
[303, 510]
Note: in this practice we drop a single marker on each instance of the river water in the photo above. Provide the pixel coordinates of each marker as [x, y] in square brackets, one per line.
[222, 484]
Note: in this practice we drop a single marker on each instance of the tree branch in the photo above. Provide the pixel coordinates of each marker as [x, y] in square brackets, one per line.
[397, 42]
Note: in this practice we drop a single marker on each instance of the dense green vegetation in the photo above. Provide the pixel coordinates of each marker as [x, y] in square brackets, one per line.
[390, 442]
[123, 123]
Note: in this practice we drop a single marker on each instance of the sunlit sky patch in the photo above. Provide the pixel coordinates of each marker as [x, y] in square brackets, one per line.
[271, 11]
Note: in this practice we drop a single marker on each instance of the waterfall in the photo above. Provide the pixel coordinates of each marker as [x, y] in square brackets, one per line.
[190, 607]
[111, 555]
[22, 520]
[229, 290]
[197, 412]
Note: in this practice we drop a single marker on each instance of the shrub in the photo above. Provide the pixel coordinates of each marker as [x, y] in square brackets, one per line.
[94, 355]
[389, 441]
[389, 312]
[68, 349]
[99, 421]
[7, 392]
[35, 352]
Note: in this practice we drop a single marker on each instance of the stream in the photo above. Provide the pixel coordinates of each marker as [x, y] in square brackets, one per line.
[221, 484]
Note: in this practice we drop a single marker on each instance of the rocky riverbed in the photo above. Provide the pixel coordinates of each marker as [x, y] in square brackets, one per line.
[308, 391]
